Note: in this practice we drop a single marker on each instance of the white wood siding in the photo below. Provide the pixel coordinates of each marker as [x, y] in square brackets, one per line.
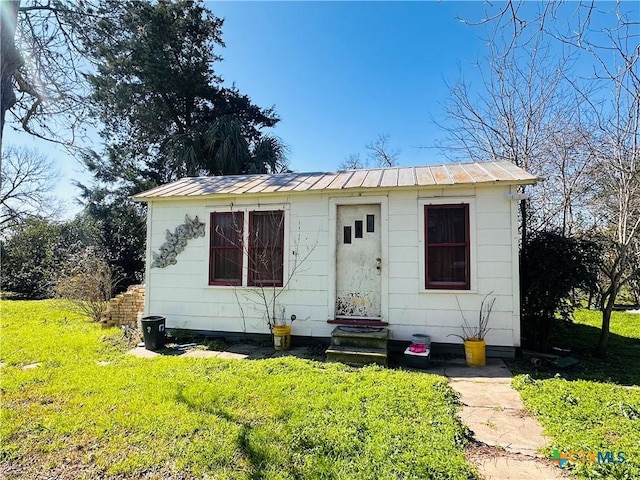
[182, 294]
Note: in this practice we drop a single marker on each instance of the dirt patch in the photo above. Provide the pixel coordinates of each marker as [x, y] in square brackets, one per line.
[74, 468]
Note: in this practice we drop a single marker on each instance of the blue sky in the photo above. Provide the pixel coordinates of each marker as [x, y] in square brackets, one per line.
[339, 74]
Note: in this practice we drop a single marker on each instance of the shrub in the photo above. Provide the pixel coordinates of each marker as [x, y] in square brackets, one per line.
[30, 260]
[553, 266]
[88, 282]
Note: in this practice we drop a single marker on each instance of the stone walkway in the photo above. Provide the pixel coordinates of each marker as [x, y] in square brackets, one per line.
[507, 437]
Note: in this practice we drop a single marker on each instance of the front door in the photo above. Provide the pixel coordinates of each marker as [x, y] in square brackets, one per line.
[358, 262]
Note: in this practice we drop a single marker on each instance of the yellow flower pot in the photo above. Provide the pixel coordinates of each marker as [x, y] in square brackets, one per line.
[474, 350]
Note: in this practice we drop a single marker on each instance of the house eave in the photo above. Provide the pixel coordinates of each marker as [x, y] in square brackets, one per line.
[363, 191]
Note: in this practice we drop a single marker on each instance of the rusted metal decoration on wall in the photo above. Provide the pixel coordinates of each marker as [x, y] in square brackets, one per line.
[176, 242]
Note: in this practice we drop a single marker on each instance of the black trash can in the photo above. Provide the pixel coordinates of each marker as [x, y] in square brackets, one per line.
[153, 332]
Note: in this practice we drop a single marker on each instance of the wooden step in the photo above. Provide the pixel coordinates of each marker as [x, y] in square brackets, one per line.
[357, 355]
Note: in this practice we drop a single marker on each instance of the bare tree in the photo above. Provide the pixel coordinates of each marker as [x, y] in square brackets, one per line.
[10, 60]
[615, 145]
[266, 277]
[562, 197]
[584, 130]
[618, 176]
[353, 162]
[28, 178]
[381, 153]
[266, 268]
[520, 103]
[42, 86]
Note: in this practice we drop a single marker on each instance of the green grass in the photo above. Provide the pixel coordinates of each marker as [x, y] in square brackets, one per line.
[172, 417]
[622, 363]
[594, 406]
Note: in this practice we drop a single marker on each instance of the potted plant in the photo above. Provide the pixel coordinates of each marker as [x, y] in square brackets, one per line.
[281, 330]
[473, 335]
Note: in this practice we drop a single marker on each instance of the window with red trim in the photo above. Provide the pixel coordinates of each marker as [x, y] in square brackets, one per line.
[225, 258]
[266, 248]
[447, 246]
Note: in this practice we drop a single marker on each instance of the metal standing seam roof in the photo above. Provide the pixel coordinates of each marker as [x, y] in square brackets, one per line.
[424, 176]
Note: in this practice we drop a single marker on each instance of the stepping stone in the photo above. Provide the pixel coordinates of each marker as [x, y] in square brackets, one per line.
[197, 353]
[513, 430]
[142, 352]
[232, 356]
[493, 464]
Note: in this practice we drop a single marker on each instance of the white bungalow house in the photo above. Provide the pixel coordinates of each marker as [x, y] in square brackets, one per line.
[404, 248]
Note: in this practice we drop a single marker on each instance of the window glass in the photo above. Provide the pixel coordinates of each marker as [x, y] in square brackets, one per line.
[447, 246]
[266, 248]
[225, 261]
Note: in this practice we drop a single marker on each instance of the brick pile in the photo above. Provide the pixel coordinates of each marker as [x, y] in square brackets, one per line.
[125, 308]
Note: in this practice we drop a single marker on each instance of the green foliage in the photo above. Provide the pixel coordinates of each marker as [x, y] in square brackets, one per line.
[35, 252]
[165, 115]
[31, 257]
[585, 411]
[587, 416]
[120, 227]
[173, 417]
[165, 112]
[552, 267]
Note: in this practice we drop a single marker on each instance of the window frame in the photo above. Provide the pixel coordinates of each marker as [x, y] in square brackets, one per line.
[212, 248]
[437, 285]
[251, 282]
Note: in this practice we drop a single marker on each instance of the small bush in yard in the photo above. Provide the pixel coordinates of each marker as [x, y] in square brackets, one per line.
[87, 282]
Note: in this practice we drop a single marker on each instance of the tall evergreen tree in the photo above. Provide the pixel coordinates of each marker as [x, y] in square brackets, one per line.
[165, 114]
[165, 111]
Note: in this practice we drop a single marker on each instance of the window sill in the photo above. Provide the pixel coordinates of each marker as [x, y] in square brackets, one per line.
[447, 291]
[248, 288]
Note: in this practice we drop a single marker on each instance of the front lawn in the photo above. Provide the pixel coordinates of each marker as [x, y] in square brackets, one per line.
[585, 408]
[89, 411]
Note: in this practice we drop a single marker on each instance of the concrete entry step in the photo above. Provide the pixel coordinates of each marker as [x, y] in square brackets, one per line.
[352, 355]
[360, 337]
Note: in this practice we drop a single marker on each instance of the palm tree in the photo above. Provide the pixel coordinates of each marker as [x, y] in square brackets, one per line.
[229, 151]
